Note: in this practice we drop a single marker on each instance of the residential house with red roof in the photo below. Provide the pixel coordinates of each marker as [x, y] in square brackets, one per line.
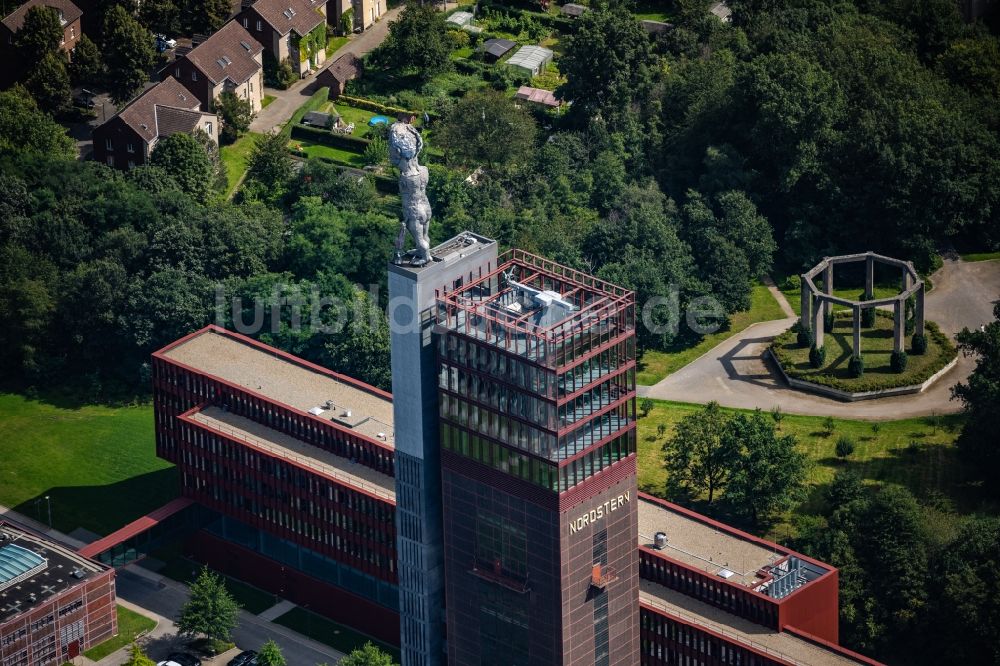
[69, 17]
[228, 61]
[284, 28]
[127, 140]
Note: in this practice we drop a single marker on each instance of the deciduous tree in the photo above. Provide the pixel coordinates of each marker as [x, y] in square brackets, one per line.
[40, 34]
[980, 395]
[270, 655]
[699, 457]
[369, 655]
[486, 128]
[236, 114]
[48, 83]
[768, 470]
[128, 54]
[210, 609]
[87, 66]
[26, 129]
[417, 41]
[184, 158]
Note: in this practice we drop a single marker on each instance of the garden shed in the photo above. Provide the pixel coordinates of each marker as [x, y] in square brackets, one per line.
[537, 96]
[496, 48]
[319, 119]
[531, 60]
[460, 20]
[573, 10]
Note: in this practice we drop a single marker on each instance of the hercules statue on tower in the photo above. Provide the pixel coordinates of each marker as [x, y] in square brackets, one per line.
[405, 144]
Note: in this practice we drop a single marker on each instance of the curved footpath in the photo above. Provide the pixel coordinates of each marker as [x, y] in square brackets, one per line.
[735, 373]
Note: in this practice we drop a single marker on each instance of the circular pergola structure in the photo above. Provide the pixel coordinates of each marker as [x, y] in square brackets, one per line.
[816, 303]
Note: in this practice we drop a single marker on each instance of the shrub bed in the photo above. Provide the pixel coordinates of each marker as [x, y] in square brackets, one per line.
[877, 366]
[560, 23]
[369, 105]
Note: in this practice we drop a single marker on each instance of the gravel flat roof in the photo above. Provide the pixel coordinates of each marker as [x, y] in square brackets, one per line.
[284, 381]
[704, 546]
[794, 649]
[290, 448]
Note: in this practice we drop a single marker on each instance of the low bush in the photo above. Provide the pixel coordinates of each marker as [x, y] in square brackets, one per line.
[856, 366]
[792, 283]
[918, 345]
[897, 361]
[845, 446]
[369, 105]
[868, 317]
[804, 338]
[817, 356]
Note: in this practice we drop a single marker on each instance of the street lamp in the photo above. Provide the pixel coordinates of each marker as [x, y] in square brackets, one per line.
[48, 501]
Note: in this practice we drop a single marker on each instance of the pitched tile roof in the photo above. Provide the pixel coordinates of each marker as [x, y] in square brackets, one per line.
[285, 15]
[147, 112]
[345, 68]
[15, 19]
[171, 120]
[228, 54]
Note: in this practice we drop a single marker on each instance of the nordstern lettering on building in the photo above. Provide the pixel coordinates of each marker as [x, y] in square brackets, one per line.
[599, 512]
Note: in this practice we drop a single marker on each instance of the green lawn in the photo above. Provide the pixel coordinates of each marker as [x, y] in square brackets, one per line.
[794, 296]
[328, 632]
[652, 10]
[183, 570]
[981, 256]
[338, 155]
[267, 100]
[460, 54]
[876, 349]
[130, 625]
[654, 364]
[97, 464]
[334, 43]
[350, 114]
[918, 453]
[234, 157]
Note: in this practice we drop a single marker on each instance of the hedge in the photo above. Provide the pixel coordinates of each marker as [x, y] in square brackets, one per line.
[555, 22]
[327, 138]
[383, 184]
[369, 105]
[318, 99]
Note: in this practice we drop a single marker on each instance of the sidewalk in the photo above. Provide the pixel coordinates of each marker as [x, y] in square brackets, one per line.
[286, 102]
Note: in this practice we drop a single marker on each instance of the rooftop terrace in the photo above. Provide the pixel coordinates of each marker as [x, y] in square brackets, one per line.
[289, 448]
[531, 306]
[781, 644]
[32, 570]
[719, 551]
[288, 381]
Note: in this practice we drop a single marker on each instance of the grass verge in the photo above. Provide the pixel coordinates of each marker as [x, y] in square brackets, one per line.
[655, 364]
[97, 464]
[267, 100]
[328, 632]
[130, 625]
[980, 256]
[336, 155]
[918, 453]
[234, 157]
[333, 44]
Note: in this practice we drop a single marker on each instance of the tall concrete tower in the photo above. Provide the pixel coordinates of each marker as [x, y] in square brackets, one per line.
[413, 292]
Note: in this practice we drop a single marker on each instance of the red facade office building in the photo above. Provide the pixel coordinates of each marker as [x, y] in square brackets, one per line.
[489, 513]
[54, 602]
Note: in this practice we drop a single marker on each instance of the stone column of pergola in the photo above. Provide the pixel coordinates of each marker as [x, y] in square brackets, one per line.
[816, 304]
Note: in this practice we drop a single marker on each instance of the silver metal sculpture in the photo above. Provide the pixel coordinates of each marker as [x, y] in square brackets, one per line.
[405, 144]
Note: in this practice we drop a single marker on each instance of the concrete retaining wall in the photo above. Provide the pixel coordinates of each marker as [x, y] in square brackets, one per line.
[847, 396]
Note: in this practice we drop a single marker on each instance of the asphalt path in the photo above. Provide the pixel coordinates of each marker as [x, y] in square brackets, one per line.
[735, 373]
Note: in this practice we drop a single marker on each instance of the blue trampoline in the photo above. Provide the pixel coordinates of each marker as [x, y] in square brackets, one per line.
[378, 120]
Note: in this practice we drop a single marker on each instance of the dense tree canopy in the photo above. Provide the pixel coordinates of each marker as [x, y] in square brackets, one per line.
[128, 54]
[417, 41]
[486, 128]
[981, 396]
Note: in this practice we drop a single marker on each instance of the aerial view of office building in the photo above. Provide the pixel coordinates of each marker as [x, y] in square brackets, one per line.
[501, 490]
[54, 602]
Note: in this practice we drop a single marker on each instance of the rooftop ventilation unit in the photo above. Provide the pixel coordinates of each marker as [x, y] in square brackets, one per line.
[660, 540]
[316, 411]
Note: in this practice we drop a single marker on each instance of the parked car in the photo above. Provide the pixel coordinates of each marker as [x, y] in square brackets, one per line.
[184, 659]
[164, 43]
[167, 663]
[245, 658]
[84, 101]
